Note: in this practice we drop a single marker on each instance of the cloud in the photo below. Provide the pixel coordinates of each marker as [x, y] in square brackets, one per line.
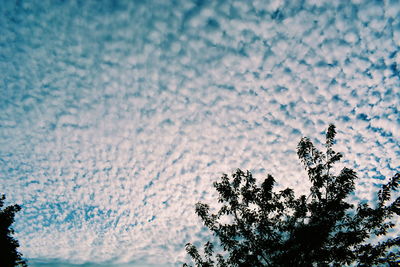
[116, 118]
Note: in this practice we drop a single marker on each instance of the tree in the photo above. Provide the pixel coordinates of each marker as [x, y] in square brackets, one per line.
[269, 228]
[9, 256]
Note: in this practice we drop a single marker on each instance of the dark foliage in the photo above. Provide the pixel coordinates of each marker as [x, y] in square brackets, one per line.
[9, 256]
[271, 228]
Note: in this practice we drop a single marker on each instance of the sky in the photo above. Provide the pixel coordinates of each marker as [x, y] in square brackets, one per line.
[117, 116]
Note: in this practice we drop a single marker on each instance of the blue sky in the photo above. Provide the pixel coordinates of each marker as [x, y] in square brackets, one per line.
[117, 116]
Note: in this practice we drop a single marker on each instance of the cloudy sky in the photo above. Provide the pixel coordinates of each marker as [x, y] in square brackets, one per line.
[117, 116]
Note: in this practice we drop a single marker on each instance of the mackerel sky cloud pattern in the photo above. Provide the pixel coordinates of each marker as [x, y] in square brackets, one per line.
[117, 116]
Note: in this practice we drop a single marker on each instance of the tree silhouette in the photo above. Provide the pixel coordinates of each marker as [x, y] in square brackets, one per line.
[269, 228]
[9, 256]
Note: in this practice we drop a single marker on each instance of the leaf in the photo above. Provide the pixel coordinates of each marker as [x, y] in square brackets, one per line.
[330, 135]
[385, 193]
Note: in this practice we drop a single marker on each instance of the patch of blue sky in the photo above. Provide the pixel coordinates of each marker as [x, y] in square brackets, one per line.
[116, 113]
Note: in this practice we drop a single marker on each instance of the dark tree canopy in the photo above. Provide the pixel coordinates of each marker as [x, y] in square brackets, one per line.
[9, 256]
[269, 228]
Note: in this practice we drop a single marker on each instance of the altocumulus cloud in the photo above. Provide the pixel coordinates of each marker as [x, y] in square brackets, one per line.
[117, 116]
